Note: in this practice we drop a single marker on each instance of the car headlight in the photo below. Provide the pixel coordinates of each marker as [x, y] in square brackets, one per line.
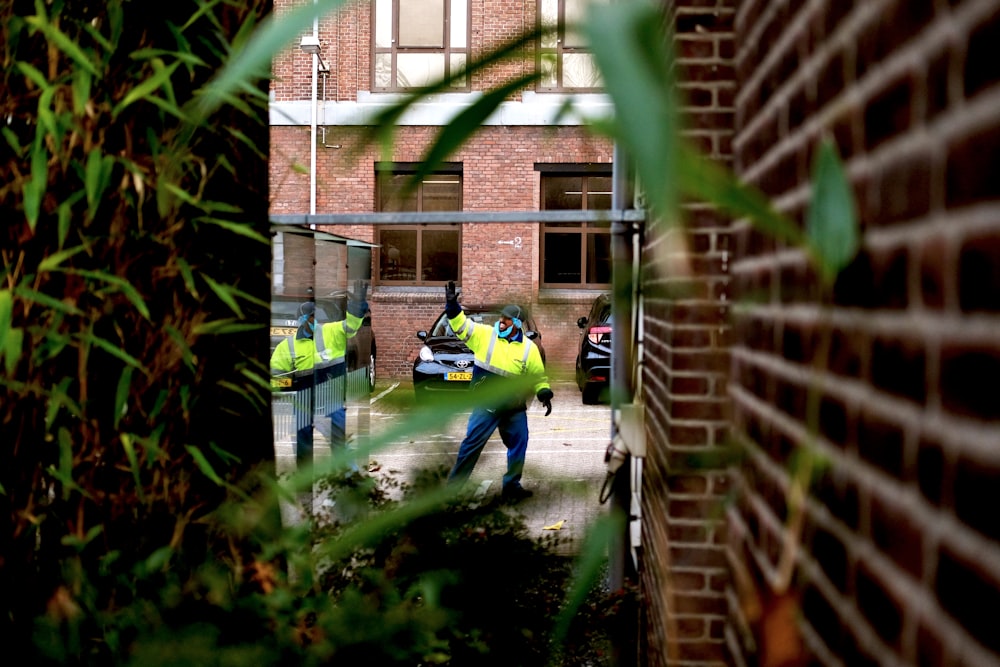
[426, 354]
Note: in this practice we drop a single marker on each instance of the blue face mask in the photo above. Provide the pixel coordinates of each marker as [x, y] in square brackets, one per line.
[312, 326]
[504, 334]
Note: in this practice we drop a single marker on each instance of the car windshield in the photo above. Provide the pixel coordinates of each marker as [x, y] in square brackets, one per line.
[442, 328]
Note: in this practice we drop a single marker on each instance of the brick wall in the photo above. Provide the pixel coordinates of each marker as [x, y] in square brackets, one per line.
[900, 559]
[498, 175]
[683, 572]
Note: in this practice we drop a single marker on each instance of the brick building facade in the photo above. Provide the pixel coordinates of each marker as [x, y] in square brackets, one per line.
[501, 169]
[893, 557]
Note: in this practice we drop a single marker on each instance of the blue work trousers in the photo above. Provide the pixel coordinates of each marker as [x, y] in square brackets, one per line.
[513, 425]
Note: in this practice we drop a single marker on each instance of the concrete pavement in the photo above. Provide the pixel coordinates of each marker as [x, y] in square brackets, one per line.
[564, 466]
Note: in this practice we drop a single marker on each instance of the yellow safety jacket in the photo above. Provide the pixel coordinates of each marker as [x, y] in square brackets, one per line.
[496, 356]
[300, 356]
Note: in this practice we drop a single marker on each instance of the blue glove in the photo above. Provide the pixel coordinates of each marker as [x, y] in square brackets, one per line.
[545, 398]
[451, 307]
[358, 304]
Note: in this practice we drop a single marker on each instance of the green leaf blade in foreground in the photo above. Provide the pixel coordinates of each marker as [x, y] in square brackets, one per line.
[631, 52]
[467, 123]
[831, 223]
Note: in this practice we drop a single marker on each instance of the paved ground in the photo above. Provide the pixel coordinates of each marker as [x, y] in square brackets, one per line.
[564, 467]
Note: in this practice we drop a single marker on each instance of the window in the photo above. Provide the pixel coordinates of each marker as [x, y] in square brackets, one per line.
[576, 254]
[426, 253]
[564, 60]
[419, 42]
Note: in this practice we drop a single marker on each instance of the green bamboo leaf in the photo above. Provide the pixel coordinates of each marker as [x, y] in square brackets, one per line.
[223, 327]
[189, 282]
[133, 464]
[59, 399]
[225, 294]
[6, 312]
[79, 543]
[376, 527]
[64, 44]
[65, 215]
[81, 86]
[144, 91]
[122, 396]
[97, 178]
[241, 228]
[34, 188]
[13, 347]
[52, 262]
[45, 300]
[131, 293]
[707, 181]
[112, 349]
[253, 60]
[461, 128]
[158, 561]
[831, 222]
[186, 354]
[204, 465]
[630, 48]
[33, 74]
[588, 570]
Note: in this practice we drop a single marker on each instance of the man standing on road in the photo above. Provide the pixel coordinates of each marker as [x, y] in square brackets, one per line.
[319, 362]
[502, 352]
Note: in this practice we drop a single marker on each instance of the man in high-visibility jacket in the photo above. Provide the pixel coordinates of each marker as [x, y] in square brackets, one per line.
[320, 363]
[502, 352]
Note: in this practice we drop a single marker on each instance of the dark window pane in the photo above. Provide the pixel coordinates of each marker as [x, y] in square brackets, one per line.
[562, 193]
[439, 255]
[398, 259]
[598, 258]
[442, 193]
[562, 258]
[391, 198]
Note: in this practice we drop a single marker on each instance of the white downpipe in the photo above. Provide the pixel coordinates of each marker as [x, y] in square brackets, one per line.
[315, 114]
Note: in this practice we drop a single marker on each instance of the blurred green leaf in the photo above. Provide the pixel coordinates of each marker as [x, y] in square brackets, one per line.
[130, 292]
[46, 301]
[831, 223]
[122, 395]
[708, 181]
[52, 262]
[636, 65]
[144, 91]
[467, 123]
[112, 349]
[226, 326]
[97, 178]
[589, 568]
[253, 59]
[64, 44]
[133, 464]
[225, 294]
[65, 459]
[34, 187]
[241, 228]
[203, 465]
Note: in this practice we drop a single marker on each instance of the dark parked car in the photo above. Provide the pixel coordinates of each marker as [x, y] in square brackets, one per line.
[444, 364]
[361, 349]
[593, 362]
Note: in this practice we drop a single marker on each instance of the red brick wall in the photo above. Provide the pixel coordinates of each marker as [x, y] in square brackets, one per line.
[900, 557]
[498, 175]
[683, 572]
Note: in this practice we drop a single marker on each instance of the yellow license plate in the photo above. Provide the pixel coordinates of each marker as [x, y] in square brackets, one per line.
[283, 331]
[467, 377]
[281, 382]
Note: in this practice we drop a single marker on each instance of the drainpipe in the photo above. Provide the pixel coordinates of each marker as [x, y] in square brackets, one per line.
[310, 44]
[626, 421]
